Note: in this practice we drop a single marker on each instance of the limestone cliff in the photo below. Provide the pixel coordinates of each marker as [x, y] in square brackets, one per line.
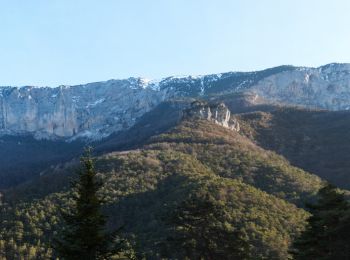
[93, 111]
[217, 113]
[99, 109]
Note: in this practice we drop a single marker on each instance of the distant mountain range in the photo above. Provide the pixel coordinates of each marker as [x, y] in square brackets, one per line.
[96, 110]
[260, 143]
[40, 127]
[262, 193]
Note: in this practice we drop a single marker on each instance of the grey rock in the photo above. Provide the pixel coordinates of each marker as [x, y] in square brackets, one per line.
[99, 109]
[217, 113]
[326, 87]
[92, 111]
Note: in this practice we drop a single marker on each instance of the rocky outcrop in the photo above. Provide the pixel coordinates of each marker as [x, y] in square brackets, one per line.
[96, 110]
[326, 87]
[217, 113]
[92, 111]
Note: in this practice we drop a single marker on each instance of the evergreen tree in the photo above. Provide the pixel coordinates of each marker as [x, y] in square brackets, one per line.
[201, 231]
[327, 232]
[84, 235]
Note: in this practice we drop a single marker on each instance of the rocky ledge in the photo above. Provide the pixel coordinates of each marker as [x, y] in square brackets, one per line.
[217, 113]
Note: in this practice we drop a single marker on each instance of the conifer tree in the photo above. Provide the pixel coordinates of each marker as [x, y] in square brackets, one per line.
[327, 232]
[200, 230]
[84, 235]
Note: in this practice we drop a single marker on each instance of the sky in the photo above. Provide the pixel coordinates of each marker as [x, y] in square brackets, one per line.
[65, 42]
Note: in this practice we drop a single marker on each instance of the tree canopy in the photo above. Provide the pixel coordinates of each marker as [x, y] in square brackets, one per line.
[327, 232]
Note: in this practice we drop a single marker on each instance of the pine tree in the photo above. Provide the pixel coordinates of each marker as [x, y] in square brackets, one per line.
[326, 235]
[200, 230]
[84, 235]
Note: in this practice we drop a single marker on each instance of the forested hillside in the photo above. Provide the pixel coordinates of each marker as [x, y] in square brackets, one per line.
[316, 141]
[262, 194]
[22, 158]
[174, 130]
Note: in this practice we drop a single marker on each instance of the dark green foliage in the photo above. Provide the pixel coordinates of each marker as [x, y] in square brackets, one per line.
[22, 158]
[257, 190]
[327, 233]
[199, 228]
[232, 155]
[137, 185]
[84, 236]
[316, 141]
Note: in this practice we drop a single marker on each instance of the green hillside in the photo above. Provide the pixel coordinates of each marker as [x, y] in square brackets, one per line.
[261, 193]
[316, 141]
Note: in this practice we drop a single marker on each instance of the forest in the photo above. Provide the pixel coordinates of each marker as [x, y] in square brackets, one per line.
[197, 191]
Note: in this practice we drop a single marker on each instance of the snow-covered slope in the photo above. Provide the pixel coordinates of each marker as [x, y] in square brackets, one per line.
[98, 109]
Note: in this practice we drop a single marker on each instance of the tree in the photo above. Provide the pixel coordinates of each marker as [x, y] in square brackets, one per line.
[200, 230]
[84, 235]
[326, 235]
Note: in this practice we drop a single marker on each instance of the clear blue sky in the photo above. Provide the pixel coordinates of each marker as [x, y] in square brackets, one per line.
[53, 42]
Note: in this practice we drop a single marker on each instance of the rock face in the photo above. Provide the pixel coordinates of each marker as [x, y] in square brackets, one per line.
[96, 110]
[92, 111]
[217, 113]
[326, 87]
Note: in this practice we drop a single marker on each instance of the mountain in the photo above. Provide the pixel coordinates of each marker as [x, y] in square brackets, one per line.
[97, 110]
[23, 157]
[260, 144]
[42, 127]
[316, 141]
[326, 87]
[261, 192]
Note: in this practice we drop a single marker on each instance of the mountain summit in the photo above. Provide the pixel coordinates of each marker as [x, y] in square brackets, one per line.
[96, 110]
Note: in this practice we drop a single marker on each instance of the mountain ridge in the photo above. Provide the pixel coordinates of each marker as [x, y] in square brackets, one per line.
[96, 110]
[150, 81]
[261, 191]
